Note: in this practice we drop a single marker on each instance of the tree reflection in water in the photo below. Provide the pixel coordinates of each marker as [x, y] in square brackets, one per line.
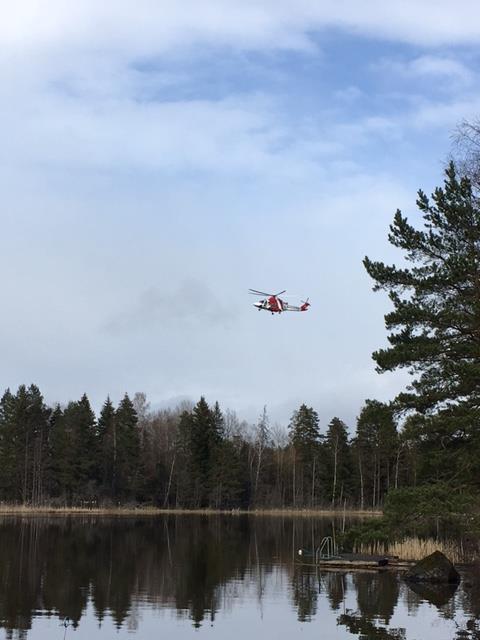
[367, 630]
[195, 566]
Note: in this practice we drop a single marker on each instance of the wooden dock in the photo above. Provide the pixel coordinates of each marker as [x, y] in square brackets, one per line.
[354, 561]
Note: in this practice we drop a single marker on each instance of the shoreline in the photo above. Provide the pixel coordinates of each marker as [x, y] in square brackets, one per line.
[28, 510]
[408, 550]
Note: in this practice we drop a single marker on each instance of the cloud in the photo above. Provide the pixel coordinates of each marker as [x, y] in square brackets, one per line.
[160, 26]
[95, 86]
[244, 133]
[192, 304]
[434, 67]
[439, 66]
[241, 133]
[445, 115]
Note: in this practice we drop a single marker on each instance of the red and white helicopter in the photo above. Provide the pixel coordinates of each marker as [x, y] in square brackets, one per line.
[274, 304]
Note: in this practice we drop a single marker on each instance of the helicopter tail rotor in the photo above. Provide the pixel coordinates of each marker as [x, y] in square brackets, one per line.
[305, 304]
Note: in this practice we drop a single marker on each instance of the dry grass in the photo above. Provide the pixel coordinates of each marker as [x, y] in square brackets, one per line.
[416, 549]
[7, 509]
[313, 513]
[26, 510]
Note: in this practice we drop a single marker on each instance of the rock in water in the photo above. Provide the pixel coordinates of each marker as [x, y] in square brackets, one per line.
[434, 568]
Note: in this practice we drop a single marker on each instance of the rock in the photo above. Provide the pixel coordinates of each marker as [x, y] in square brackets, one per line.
[434, 568]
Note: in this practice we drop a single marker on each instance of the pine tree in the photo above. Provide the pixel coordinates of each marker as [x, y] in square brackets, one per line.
[435, 323]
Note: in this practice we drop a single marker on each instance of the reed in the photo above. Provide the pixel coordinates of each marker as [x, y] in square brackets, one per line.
[417, 549]
[312, 513]
[9, 509]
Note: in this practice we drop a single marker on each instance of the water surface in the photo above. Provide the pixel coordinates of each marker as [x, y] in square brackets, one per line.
[216, 577]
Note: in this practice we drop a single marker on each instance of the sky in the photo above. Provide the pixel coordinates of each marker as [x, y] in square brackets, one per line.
[158, 159]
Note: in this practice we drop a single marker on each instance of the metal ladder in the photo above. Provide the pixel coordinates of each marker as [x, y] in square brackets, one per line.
[327, 549]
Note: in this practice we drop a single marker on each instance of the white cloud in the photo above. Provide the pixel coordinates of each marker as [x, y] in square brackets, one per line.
[72, 96]
[441, 66]
[147, 26]
[241, 133]
[445, 114]
[434, 67]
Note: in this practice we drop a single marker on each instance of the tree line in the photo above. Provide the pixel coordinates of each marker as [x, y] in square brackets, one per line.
[195, 457]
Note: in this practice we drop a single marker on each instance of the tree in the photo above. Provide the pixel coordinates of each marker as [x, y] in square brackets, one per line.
[72, 450]
[199, 438]
[219, 475]
[128, 463]
[107, 449]
[305, 439]
[262, 440]
[338, 460]
[142, 409]
[435, 323]
[59, 470]
[8, 447]
[467, 147]
[24, 433]
[375, 446]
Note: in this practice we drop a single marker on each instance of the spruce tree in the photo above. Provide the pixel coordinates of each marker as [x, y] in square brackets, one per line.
[106, 463]
[185, 468]
[128, 448]
[338, 465]
[304, 432]
[28, 433]
[81, 427]
[435, 323]
[218, 472]
[86, 429]
[199, 438]
[305, 438]
[262, 442]
[228, 487]
[8, 447]
[59, 468]
[375, 447]
[203, 441]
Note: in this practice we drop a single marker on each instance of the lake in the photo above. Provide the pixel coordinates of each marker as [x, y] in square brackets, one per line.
[211, 576]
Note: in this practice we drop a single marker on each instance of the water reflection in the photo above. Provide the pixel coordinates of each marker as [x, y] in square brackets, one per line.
[121, 573]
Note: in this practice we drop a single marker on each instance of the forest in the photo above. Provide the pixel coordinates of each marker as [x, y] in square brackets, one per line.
[202, 456]
[193, 457]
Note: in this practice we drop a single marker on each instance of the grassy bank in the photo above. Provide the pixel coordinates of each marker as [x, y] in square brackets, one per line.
[416, 549]
[7, 509]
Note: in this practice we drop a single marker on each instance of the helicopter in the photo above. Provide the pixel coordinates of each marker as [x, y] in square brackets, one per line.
[273, 303]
